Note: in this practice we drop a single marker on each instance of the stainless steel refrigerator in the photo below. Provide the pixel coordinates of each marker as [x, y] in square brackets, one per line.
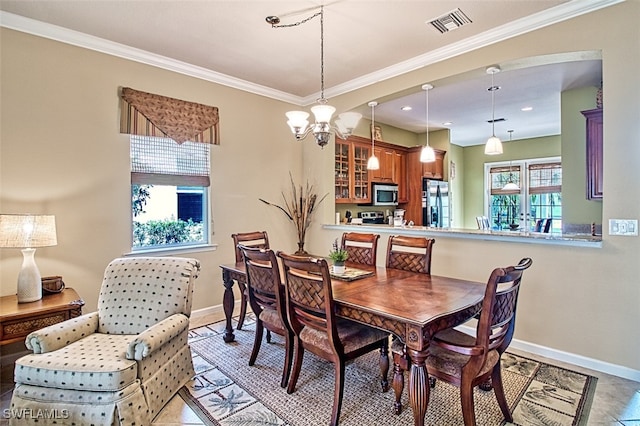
[436, 204]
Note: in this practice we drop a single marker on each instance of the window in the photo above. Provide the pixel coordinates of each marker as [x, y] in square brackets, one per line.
[540, 184]
[169, 193]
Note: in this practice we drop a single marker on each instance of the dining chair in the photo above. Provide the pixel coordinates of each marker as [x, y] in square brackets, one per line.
[311, 313]
[258, 239]
[468, 361]
[267, 300]
[362, 248]
[410, 253]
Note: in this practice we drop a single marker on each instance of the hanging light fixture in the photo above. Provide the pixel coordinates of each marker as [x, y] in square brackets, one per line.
[493, 145]
[298, 120]
[511, 185]
[373, 163]
[427, 154]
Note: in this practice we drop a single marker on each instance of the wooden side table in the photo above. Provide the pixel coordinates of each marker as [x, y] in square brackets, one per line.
[17, 320]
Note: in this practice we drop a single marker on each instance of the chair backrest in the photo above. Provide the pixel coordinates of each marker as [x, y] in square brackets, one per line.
[362, 248]
[258, 239]
[138, 292]
[309, 296]
[547, 225]
[483, 222]
[410, 253]
[498, 316]
[263, 280]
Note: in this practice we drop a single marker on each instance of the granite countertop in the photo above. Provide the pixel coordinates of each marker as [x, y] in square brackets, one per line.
[586, 240]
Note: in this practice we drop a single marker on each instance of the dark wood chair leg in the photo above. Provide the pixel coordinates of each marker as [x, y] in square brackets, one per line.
[297, 364]
[468, 410]
[268, 336]
[243, 305]
[337, 393]
[257, 341]
[398, 385]
[496, 379]
[384, 366]
[486, 385]
[288, 360]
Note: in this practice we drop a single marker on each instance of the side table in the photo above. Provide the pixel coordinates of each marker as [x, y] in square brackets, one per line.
[17, 320]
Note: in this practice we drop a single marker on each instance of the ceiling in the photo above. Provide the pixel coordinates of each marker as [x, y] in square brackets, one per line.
[365, 41]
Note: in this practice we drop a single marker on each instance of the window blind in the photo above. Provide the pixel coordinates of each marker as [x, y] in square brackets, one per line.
[545, 178]
[161, 161]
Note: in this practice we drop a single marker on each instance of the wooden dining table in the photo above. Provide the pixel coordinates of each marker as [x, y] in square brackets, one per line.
[410, 305]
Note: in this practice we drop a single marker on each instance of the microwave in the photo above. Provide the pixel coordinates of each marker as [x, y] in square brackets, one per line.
[384, 194]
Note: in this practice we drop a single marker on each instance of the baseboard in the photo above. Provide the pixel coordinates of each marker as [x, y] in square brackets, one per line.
[579, 360]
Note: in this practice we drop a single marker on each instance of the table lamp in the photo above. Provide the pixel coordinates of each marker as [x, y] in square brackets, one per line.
[26, 232]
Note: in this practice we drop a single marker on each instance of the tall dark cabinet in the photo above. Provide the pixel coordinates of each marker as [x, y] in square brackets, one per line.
[594, 153]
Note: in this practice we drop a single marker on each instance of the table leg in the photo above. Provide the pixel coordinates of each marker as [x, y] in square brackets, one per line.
[418, 386]
[228, 303]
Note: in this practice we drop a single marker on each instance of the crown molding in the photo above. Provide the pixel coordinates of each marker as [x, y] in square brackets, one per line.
[536, 21]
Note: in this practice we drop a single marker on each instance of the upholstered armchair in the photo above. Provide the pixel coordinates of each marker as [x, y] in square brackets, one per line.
[121, 364]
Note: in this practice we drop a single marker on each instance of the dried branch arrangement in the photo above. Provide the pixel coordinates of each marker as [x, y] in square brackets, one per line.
[299, 207]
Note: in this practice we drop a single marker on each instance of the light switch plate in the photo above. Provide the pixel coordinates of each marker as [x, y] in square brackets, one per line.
[627, 227]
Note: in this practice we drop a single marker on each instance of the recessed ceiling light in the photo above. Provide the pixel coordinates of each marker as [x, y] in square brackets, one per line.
[406, 108]
[447, 123]
[526, 108]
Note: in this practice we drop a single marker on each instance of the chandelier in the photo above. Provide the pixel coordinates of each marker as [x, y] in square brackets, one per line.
[322, 128]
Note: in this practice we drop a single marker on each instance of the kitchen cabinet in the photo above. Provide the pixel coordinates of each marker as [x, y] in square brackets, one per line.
[594, 153]
[352, 179]
[385, 172]
[400, 175]
[434, 170]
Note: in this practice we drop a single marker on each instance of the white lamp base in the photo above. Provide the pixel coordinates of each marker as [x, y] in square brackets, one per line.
[29, 280]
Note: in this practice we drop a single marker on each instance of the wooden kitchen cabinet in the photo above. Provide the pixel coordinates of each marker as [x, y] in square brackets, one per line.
[385, 172]
[352, 179]
[594, 153]
[400, 175]
[434, 170]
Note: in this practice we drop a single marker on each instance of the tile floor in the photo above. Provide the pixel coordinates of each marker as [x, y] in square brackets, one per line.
[616, 402]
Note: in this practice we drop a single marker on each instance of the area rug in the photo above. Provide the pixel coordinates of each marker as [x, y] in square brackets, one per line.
[226, 391]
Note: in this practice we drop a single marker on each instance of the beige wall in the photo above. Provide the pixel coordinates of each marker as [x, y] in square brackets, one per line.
[582, 301]
[62, 154]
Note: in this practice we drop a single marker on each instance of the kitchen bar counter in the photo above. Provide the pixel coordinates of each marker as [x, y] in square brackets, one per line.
[576, 240]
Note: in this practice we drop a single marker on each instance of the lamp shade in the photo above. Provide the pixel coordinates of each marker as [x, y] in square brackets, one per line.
[493, 146]
[350, 119]
[511, 186]
[27, 231]
[323, 113]
[297, 121]
[373, 163]
[427, 154]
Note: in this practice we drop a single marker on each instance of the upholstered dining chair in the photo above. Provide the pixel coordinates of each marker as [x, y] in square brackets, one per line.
[362, 248]
[258, 239]
[267, 300]
[311, 312]
[410, 253]
[468, 361]
[124, 362]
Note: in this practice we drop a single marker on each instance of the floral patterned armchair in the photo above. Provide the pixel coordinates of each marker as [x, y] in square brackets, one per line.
[121, 364]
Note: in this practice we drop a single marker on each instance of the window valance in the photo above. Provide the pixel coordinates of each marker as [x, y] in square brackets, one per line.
[147, 114]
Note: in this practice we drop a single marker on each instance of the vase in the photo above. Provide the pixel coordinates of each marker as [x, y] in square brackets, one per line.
[339, 268]
[301, 251]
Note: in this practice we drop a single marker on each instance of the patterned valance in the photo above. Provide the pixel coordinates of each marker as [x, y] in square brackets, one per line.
[146, 114]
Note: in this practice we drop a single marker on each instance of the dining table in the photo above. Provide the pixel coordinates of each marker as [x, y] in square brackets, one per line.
[412, 306]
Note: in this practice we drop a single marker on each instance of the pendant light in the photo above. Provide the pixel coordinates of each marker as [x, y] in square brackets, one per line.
[511, 185]
[493, 145]
[373, 163]
[427, 154]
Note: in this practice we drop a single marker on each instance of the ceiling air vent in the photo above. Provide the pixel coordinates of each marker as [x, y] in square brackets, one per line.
[450, 21]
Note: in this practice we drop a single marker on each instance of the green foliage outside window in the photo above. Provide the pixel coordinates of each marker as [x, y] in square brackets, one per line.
[167, 231]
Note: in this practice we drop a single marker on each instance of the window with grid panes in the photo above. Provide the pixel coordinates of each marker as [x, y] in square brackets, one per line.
[169, 193]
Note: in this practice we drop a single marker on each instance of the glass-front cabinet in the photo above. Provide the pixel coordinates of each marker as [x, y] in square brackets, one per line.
[351, 174]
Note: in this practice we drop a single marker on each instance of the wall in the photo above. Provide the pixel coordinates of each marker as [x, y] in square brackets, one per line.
[62, 154]
[475, 159]
[582, 301]
[574, 159]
